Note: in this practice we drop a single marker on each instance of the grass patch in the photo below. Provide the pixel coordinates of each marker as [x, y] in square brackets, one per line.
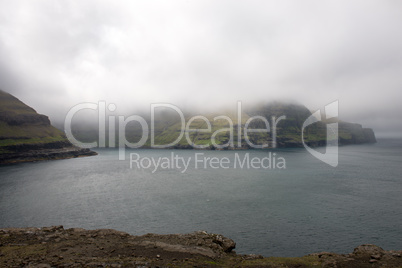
[12, 142]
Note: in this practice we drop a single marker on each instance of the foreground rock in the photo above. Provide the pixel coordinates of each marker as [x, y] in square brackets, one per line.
[363, 256]
[59, 247]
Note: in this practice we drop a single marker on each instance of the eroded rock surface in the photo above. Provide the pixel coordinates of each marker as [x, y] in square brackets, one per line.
[58, 247]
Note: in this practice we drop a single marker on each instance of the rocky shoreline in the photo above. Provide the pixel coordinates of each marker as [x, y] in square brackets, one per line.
[58, 247]
[39, 152]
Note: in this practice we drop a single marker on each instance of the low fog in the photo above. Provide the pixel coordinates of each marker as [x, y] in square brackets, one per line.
[203, 54]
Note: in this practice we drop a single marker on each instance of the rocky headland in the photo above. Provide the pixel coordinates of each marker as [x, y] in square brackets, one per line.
[26, 136]
[230, 133]
[58, 247]
[39, 152]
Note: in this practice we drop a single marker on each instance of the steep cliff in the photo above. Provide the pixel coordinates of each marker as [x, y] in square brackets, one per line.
[288, 130]
[26, 135]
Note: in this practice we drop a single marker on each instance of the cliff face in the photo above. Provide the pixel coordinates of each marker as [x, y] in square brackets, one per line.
[22, 130]
[26, 135]
[355, 134]
[369, 135]
[20, 123]
[288, 131]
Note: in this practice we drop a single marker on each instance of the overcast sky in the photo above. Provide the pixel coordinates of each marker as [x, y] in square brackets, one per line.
[55, 54]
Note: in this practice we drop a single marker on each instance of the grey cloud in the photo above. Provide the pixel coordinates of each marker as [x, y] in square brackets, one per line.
[56, 54]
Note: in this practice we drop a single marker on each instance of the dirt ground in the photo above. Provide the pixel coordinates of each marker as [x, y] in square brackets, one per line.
[58, 247]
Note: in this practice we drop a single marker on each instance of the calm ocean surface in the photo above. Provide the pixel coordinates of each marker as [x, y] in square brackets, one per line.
[307, 207]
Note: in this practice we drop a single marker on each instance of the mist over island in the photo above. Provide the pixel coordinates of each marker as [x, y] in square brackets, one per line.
[28, 136]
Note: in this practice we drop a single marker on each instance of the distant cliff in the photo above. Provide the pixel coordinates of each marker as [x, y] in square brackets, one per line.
[168, 127]
[355, 134]
[26, 135]
[288, 130]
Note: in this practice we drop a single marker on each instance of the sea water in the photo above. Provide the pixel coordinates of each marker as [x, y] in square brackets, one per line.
[293, 209]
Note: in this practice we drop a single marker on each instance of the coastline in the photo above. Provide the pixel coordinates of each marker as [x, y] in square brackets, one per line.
[41, 152]
[65, 150]
[58, 247]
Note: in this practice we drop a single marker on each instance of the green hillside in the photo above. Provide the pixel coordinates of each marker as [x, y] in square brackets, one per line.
[168, 129]
[288, 119]
[20, 124]
[27, 136]
[288, 130]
